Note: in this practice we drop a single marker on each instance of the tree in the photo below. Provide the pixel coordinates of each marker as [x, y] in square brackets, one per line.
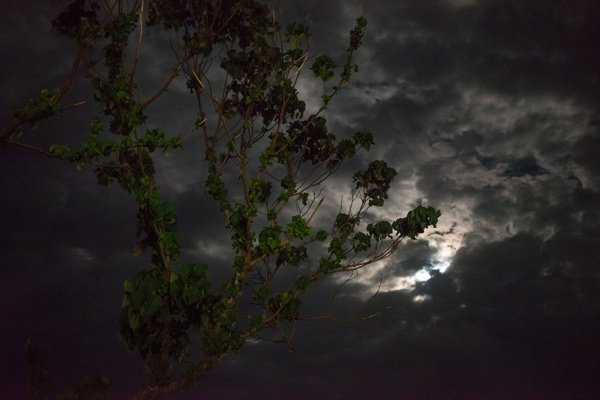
[255, 130]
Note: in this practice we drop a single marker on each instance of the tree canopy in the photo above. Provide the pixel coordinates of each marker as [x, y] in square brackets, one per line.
[266, 163]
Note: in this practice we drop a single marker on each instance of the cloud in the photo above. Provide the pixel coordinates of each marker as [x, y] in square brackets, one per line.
[523, 166]
[415, 255]
[488, 111]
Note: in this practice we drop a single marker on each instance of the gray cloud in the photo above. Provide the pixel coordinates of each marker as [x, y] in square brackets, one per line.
[488, 110]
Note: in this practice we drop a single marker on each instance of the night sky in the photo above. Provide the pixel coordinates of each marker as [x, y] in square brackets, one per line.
[488, 110]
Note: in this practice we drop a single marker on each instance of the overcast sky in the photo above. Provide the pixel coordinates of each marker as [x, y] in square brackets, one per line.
[488, 110]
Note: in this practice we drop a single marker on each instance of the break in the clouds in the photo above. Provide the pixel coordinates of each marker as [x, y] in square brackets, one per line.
[489, 112]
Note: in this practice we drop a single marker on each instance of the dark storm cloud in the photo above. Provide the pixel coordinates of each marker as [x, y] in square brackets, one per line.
[495, 159]
[487, 44]
[415, 256]
[489, 112]
[495, 296]
[64, 263]
[28, 41]
[523, 166]
[507, 46]
[510, 289]
[586, 150]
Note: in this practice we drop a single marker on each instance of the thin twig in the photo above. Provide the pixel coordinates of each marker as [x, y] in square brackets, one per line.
[314, 211]
[72, 106]
[139, 46]
[191, 132]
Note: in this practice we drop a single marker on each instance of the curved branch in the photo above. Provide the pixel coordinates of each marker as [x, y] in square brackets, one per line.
[167, 83]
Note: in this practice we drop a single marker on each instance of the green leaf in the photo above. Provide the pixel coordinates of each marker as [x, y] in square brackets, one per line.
[380, 231]
[298, 228]
[255, 321]
[375, 181]
[361, 242]
[323, 67]
[262, 293]
[357, 34]
[128, 286]
[416, 221]
[134, 320]
[269, 239]
[302, 282]
[155, 305]
[322, 236]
